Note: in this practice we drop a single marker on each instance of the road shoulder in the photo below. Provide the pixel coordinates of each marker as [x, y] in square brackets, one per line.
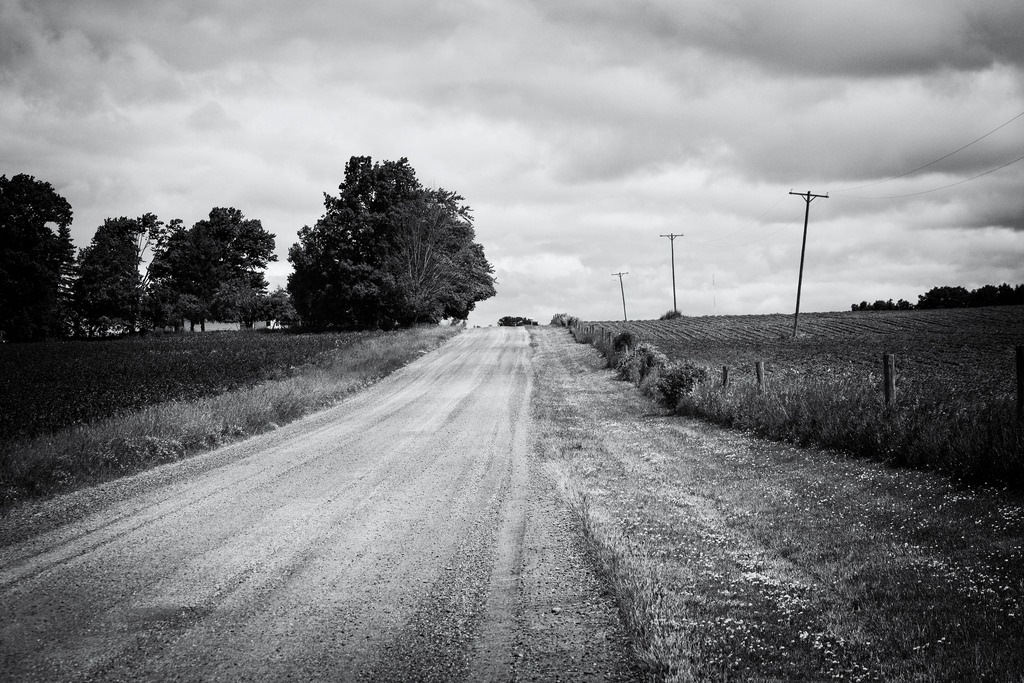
[738, 558]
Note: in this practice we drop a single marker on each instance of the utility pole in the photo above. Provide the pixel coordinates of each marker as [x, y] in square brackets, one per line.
[808, 198]
[623, 290]
[672, 244]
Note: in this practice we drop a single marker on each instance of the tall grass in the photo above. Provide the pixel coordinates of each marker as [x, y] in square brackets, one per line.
[929, 426]
[173, 430]
[980, 441]
[643, 600]
[735, 558]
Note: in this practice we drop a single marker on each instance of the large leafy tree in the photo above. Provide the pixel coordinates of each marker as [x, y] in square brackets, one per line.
[36, 259]
[112, 281]
[220, 258]
[387, 252]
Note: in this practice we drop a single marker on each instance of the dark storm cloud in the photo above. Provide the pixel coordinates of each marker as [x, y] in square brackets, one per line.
[578, 131]
[862, 39]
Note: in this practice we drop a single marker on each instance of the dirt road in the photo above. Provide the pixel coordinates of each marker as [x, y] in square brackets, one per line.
[403, 535]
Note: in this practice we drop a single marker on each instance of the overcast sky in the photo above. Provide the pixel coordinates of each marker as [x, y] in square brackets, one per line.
[577, 131]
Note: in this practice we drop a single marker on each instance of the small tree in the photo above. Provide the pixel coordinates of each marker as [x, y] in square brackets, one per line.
[278, 306]
[237, 301]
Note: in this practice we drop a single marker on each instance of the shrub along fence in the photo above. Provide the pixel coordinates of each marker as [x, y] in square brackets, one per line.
[978, 441]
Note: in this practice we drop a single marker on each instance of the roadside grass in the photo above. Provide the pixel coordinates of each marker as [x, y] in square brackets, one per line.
[119, 446]
[930, 425]
[737, 558]
[977, 442]
[48, 387]
[634, 582]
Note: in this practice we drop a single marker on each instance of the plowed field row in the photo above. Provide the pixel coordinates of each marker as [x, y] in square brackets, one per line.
[970, 350]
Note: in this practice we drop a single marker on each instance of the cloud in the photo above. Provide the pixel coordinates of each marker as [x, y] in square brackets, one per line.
[867, 39]
[577, 131]
[546, 266]
[211, 117]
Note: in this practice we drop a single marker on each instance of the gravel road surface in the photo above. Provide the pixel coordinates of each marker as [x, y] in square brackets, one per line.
[406, 534]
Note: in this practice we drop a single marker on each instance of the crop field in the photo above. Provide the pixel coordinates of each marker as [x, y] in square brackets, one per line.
[955, 382]
[45, 388]
[969, 349]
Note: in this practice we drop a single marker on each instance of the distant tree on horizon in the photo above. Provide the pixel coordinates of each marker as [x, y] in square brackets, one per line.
[953, 297]
[515, 321]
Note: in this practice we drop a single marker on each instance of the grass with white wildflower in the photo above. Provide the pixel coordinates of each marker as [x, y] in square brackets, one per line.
[736, 558]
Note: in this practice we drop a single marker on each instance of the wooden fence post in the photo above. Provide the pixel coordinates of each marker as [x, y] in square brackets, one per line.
[725, 376]
[889, 377]
[759, 369]
[1020, 383]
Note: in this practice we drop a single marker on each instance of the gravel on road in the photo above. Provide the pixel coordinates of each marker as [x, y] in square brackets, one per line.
[405, 534]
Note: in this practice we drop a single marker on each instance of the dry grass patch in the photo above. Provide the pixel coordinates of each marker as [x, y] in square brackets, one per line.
[757, 560]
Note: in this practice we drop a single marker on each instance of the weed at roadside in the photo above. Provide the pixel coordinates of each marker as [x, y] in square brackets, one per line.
[768, 562]
[662, 650]
[930, 425]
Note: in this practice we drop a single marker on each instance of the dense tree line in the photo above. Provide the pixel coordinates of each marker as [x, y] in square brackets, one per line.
[953, 297]
[136, 273]
[388, 252]
[901, 305]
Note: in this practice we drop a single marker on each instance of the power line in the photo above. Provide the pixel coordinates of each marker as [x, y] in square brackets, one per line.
[943, 187]
[935, 161]
[722, 238]
[762, 238]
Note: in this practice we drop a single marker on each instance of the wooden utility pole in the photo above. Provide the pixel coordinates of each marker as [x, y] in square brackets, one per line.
[672, 244]
[808, 198]
[623, 293]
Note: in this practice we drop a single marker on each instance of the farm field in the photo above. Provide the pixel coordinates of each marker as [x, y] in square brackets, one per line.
[104, 411]
[970, 349]
[49, 387]
[953, 409]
